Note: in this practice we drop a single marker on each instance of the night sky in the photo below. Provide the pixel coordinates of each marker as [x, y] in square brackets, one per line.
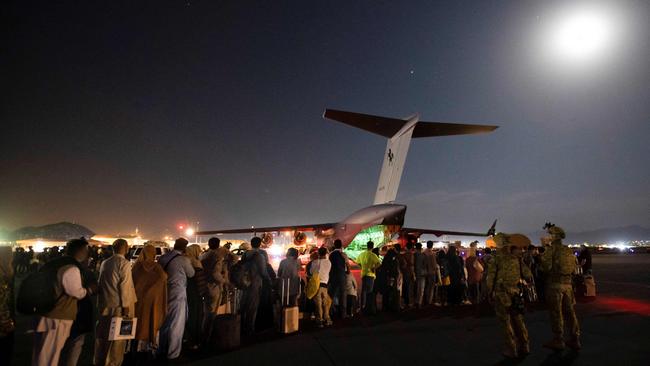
[151, 114]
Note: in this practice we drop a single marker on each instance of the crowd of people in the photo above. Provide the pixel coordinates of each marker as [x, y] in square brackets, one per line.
[26, 261]
[176, 297]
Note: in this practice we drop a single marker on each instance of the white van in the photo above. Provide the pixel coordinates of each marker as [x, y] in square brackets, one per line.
[135, 250]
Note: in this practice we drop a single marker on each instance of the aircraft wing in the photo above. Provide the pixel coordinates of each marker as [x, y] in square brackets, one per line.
[491, 231]
[252, 230]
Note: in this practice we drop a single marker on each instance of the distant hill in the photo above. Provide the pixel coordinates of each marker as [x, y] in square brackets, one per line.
[609, 235]
[60, 231]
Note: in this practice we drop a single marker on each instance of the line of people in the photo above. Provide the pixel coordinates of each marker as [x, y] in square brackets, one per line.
[417, 276]
[175, 300]
[177, 297]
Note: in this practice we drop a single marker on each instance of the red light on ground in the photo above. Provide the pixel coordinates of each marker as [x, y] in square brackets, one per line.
[624, 304]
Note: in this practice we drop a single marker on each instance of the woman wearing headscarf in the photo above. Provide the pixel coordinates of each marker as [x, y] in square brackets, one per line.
[288, 275]
[456, 276]
[196, 289]
[391, 281]
[443, 265]
[7, 321]
[150, 281]
[474, 274]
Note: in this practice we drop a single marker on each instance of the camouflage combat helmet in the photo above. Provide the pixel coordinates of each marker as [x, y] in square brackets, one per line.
[501, 240]
[556, 232]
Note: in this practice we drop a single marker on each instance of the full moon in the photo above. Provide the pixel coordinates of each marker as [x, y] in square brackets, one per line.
[581, 35]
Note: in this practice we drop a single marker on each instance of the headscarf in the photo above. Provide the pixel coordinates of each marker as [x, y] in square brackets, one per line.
[193, 252]
[6, 260]
[147, 257]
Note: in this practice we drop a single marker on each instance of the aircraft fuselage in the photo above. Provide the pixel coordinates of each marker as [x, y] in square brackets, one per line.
[381, 214]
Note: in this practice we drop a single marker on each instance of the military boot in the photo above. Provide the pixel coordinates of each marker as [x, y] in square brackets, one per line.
[555, 344]
[574, 343]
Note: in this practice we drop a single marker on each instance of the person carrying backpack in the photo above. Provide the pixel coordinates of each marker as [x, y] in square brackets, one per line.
[53, 325]
[558, 263]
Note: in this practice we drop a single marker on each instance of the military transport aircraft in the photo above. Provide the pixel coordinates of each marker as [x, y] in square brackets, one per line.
[384, 218]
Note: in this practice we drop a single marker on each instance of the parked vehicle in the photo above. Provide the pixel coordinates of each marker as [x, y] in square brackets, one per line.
[134, 251]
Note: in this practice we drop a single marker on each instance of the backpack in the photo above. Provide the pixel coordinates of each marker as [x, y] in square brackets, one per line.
[564, 262]
[241, 273]
[37, 294]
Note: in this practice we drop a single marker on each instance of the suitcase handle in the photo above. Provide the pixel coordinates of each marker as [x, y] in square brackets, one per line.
[285, 294]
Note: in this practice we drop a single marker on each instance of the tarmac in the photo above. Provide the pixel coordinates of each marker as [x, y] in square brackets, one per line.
[615, 331]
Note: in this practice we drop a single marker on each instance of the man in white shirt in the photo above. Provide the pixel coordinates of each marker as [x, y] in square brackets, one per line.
[322, 266]
[116, 298]
[52, 329]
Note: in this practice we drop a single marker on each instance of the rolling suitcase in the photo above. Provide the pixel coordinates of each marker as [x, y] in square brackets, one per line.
[226, 328]
[589, 286]
[289, 315]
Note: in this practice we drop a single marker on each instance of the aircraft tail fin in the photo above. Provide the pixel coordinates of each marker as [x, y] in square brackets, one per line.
[397, 148]
[399, 133]
[493, 229]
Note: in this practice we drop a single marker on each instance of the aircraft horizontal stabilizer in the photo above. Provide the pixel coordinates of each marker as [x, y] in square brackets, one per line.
[431, 129]
[439, 233]
[388, 127]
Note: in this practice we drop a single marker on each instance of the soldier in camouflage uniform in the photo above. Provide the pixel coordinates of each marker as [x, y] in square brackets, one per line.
[504, 275]
[558, 265]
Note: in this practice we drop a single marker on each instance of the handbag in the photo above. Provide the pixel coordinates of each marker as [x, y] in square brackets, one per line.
[446, 281]
[122, 328]
[226, 306]
[312, 286]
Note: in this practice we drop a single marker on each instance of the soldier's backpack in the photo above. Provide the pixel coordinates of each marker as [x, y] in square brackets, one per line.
[564, 262]
[37, 294]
